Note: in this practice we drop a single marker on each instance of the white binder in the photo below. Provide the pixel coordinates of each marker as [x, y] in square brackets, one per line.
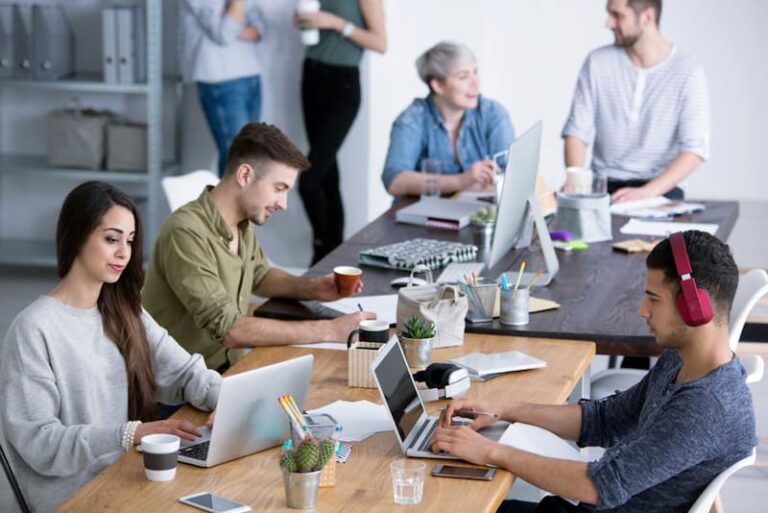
[125, 45]
[6, 41]
[109, 45]
[22, 40]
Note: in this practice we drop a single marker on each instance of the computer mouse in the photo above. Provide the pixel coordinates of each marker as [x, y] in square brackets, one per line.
[403, 282]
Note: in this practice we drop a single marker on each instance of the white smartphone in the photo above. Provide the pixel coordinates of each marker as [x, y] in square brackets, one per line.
[482, 474]
[213, 503]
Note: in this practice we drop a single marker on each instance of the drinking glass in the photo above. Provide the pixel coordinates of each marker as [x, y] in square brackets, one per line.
[407, 480]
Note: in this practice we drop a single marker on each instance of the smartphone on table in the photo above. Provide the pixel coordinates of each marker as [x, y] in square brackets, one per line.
[213, 503]
[482, 474]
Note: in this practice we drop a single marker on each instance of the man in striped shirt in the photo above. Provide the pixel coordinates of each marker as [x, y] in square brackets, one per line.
[643, 104]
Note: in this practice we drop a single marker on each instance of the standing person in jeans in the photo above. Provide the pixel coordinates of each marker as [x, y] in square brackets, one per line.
[643, 103]
[330, 93]
[669, 436]
[219, 55]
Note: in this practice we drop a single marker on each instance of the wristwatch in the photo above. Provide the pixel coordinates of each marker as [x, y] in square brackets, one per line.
[348, 28]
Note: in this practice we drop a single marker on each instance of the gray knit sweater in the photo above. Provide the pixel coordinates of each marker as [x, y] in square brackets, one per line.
[64, 395]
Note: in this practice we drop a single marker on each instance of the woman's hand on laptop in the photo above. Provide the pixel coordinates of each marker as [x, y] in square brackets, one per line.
[181, 428]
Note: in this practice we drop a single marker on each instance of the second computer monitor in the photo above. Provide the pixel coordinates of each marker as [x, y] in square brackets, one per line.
[519, 185]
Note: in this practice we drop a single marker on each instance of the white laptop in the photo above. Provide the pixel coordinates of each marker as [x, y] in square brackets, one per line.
[248, 416]
[412, 426]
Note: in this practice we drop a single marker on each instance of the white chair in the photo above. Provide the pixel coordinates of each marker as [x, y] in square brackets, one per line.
[180, 190]
[710, 494]
[752, 286]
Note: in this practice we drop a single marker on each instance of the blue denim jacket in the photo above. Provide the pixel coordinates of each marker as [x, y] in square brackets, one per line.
[418, 133]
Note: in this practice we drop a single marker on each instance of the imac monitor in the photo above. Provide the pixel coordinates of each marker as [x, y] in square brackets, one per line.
[518, 192]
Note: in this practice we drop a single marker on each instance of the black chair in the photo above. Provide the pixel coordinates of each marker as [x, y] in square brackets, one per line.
[12, 480]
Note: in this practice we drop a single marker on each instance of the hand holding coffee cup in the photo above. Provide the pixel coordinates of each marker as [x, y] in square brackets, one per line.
[347, 279]
[160, 452]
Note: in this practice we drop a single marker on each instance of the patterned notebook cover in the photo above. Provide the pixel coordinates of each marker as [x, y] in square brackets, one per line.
[407, 254]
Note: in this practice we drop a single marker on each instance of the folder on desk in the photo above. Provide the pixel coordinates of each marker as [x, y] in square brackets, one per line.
[439, 213]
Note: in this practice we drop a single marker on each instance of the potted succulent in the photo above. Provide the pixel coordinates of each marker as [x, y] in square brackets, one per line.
[483, 224]
[416, 338]
[301, 470]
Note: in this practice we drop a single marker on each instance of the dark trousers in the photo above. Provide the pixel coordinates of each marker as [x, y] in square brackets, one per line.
[549, 504]
[330, 99]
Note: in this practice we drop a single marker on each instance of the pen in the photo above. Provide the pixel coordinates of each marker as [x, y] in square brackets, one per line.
[504, 282]
[520, 274]
[535, 277]
[360, 307]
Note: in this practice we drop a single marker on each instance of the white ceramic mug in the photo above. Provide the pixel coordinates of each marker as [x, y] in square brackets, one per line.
[160, 452]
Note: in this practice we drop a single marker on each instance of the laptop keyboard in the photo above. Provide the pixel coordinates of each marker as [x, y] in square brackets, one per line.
[424, 445]
[197, 451]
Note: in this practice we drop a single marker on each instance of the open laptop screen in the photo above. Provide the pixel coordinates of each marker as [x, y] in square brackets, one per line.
[399, 391]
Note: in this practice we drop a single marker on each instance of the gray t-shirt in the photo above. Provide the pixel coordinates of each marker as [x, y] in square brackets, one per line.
[64, 395]
[666, 442]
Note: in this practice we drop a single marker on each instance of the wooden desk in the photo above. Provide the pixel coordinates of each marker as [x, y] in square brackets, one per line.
[598, 289]
[363, 483]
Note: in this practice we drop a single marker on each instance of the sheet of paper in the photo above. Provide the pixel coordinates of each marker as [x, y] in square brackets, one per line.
[624, 208]
[539, 441]
[359, 419]
[663, 228]
[384, 305]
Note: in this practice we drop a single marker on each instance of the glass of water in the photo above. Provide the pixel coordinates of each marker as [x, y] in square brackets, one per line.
[430, 185]
[407, 480]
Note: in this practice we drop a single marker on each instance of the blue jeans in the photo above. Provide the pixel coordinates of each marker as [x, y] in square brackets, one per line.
[228, 106]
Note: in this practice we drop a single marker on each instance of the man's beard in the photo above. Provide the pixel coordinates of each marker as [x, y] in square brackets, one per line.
[626, 40]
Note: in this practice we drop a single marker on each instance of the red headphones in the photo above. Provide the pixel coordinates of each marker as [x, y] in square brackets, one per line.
[692, 302]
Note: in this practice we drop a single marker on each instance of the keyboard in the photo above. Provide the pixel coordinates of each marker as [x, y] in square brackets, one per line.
[454, 273]
[197, 451]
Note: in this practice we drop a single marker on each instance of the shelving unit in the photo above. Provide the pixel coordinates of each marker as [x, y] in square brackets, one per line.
[28, 252]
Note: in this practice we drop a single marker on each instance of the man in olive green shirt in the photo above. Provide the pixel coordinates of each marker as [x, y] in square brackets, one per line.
[206, 261]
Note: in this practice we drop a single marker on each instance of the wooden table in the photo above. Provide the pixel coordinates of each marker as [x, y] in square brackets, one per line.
[599, 289]
[363, 483]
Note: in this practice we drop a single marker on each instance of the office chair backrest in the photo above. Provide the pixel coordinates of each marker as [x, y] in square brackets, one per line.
[708, 496]
[12, 481]
[180, 190]
[752, 287]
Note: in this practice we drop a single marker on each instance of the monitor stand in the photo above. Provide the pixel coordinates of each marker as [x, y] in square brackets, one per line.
[551, 263]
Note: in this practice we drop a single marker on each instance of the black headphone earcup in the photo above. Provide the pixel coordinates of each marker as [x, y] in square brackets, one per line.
[436, 374]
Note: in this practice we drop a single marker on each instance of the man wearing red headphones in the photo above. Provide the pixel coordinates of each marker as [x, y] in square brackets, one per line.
[669, 436]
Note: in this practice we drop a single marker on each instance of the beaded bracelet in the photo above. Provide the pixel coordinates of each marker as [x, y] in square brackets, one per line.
[128, 434]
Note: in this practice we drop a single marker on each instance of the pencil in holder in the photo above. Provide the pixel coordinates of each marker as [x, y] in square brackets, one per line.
[482, 300]
[514, 306]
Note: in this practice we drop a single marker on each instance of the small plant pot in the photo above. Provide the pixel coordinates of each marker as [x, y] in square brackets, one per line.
[301, 488]
[482, 234]
[418, 351]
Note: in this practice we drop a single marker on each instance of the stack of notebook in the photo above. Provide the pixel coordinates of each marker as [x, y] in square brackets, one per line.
[405, 255]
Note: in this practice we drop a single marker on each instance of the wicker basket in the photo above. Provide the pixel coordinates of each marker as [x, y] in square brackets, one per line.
[359, 356]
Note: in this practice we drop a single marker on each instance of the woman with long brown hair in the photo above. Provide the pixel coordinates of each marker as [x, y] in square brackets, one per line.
[82, 368]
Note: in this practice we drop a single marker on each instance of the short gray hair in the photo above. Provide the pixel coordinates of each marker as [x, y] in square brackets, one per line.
[439, 60]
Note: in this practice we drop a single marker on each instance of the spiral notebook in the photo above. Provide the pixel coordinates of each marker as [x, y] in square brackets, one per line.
[405, 255]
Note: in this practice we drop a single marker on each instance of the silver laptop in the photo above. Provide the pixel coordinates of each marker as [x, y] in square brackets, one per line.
[248, 416]
[412, 426]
